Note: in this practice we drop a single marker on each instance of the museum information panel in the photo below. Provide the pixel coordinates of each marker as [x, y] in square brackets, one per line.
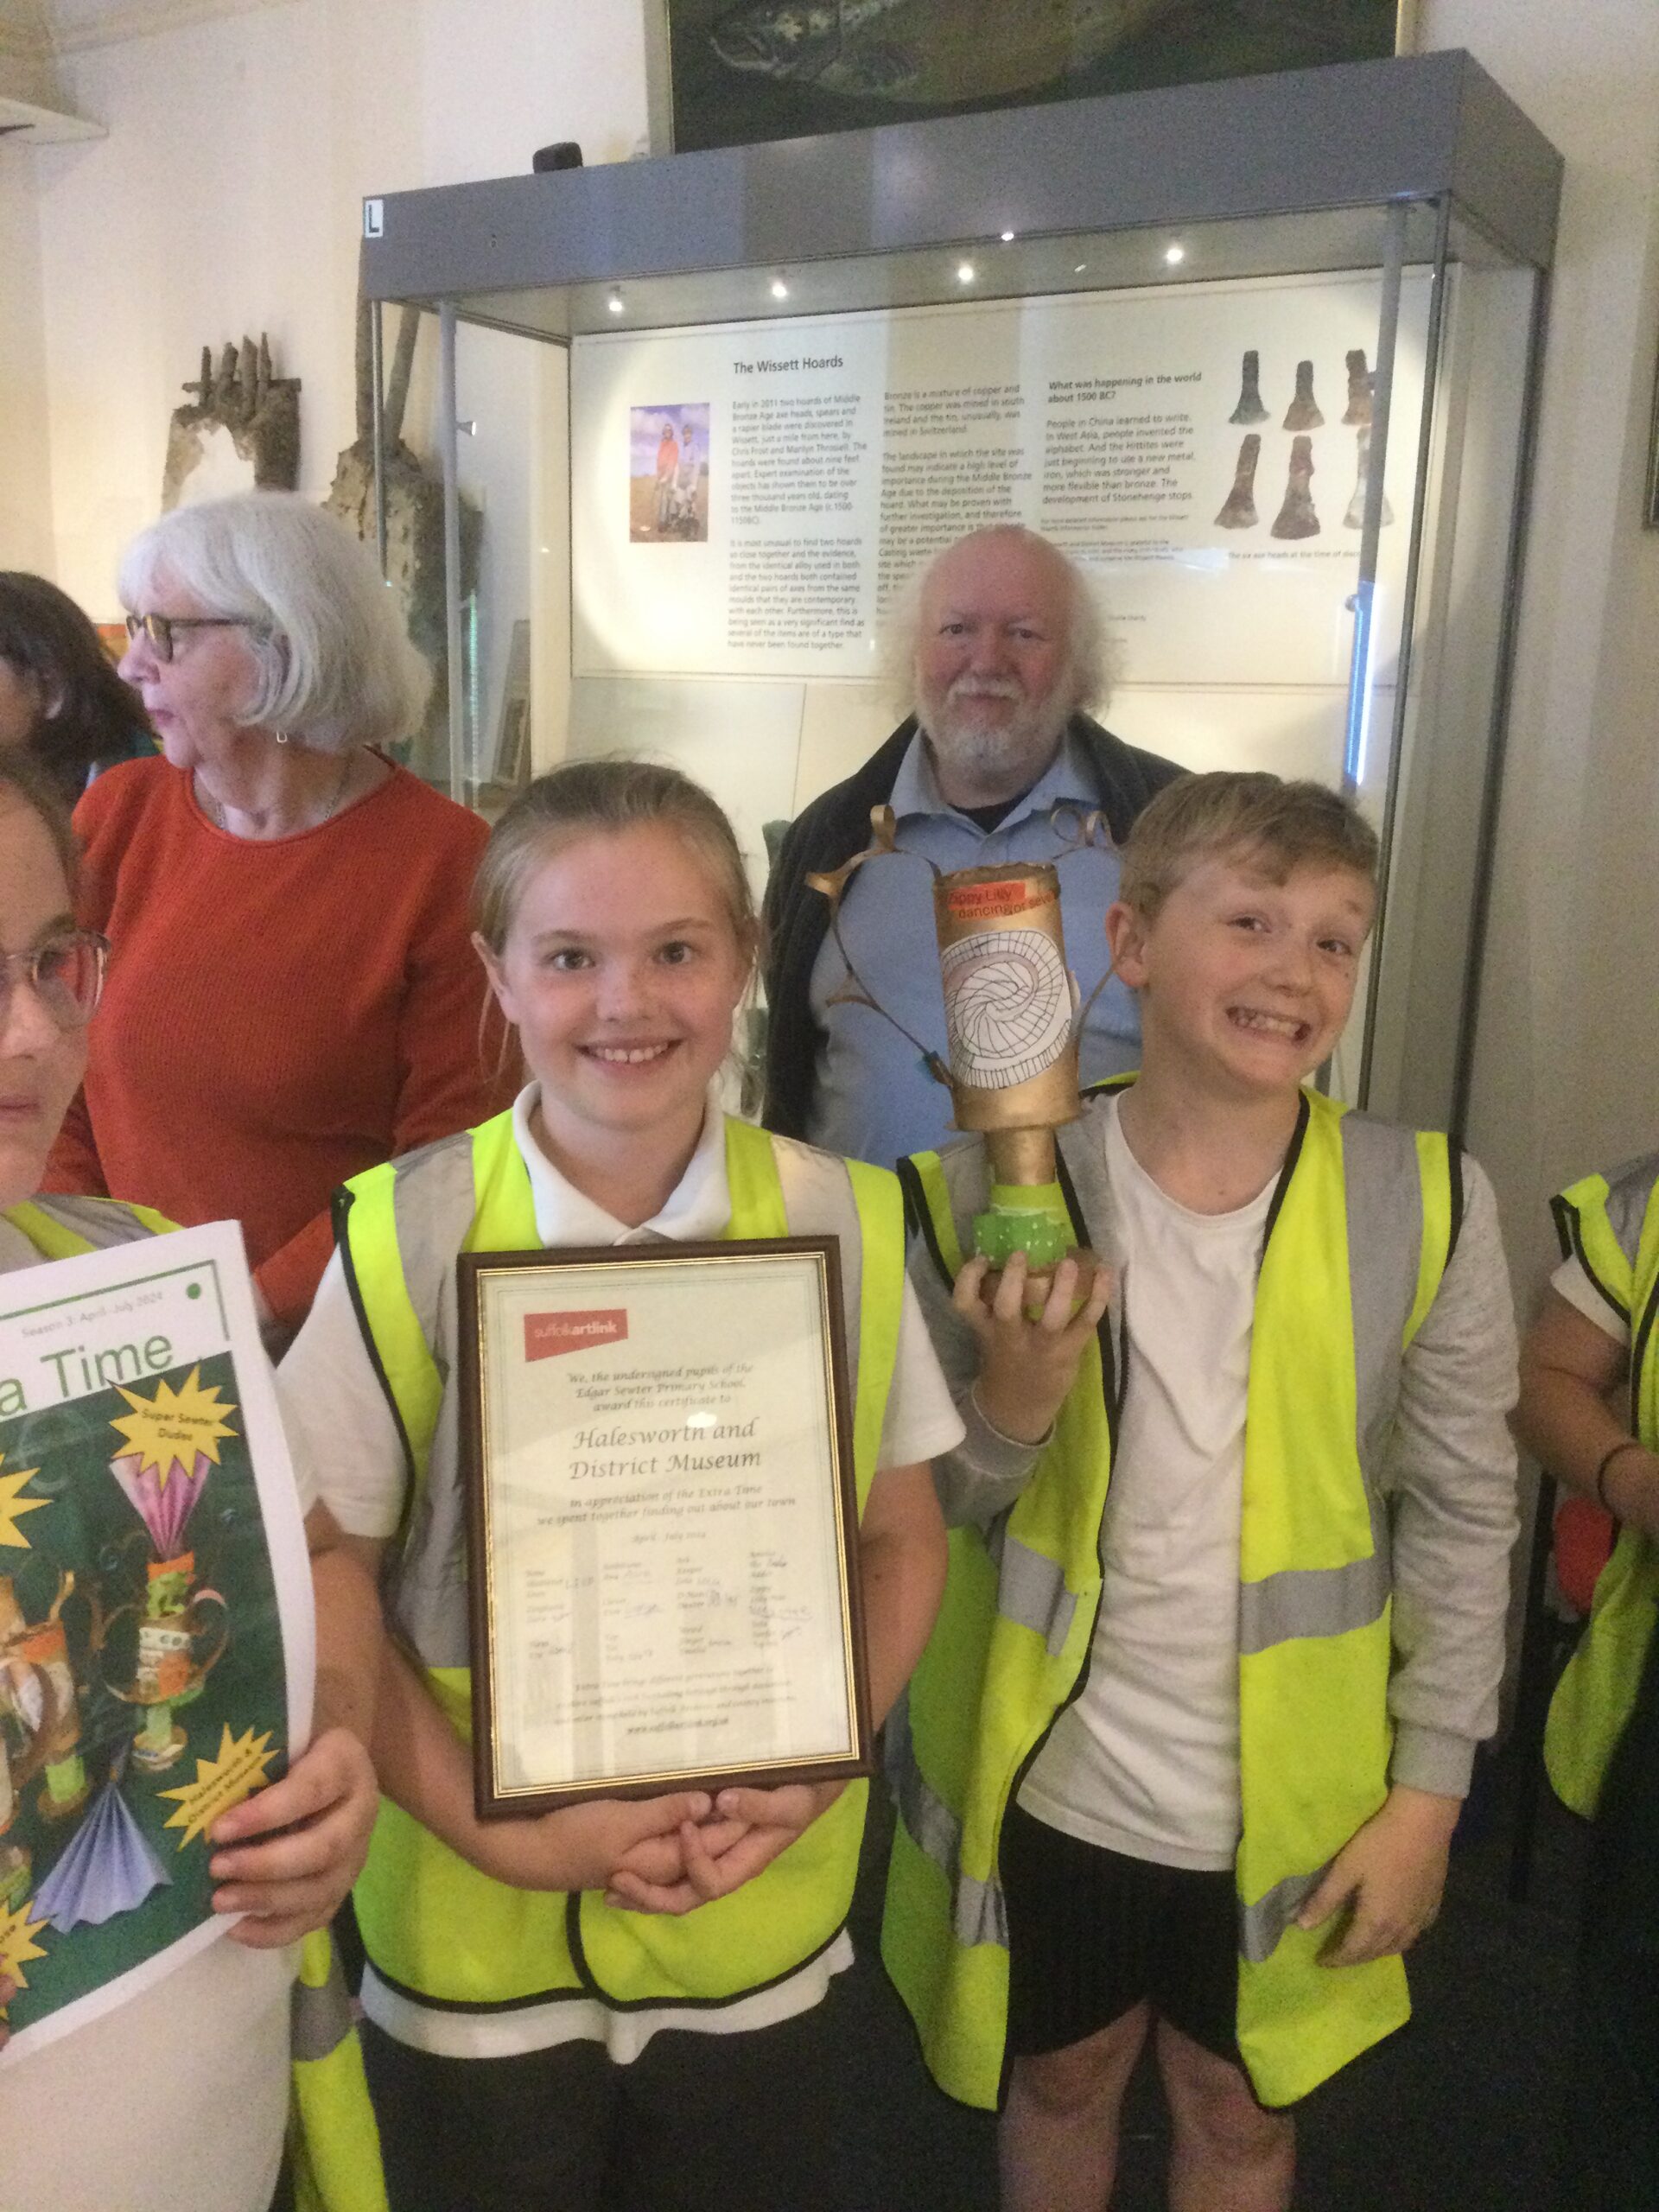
[745, 497]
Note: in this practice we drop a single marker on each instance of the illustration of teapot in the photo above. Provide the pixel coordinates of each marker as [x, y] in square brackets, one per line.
[171, 1666]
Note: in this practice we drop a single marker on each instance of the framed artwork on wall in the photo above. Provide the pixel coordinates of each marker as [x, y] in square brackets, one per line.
[741, 71]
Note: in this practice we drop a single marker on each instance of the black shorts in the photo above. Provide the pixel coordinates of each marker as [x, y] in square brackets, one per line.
[1092, 1934]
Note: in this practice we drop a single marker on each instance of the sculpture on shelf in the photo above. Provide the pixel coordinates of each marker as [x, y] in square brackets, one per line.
[241, 433]
[414, 520]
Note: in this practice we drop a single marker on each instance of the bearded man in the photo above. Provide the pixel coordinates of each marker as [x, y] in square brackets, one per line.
[1003, 648]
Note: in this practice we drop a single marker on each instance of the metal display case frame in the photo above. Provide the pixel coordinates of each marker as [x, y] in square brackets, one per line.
[1422, 162]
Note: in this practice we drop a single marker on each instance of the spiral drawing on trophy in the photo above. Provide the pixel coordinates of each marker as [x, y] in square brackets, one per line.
[1007, 1007]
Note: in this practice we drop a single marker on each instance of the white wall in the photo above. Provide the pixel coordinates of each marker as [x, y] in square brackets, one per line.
[25, 470]
[1567, 1060]
[224, 201]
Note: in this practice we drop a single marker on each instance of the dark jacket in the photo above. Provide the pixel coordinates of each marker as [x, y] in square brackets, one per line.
[831, 830]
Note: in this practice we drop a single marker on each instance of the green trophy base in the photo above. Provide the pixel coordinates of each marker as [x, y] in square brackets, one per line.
[1028, 1217]
[1004, 1231]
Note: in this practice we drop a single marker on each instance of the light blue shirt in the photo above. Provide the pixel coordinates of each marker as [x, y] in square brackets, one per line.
[875, 1099]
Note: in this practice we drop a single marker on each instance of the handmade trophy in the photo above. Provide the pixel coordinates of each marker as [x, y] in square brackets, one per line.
[27, 1705]
[1011, 1020]
[35, 1655]
[173, 1618]
[163, 1481]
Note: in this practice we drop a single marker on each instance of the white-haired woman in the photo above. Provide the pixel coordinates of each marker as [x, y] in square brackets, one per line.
[297, 999]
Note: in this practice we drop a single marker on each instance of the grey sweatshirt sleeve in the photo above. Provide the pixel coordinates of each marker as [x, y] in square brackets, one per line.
[1450, 1480]
[986, 1471]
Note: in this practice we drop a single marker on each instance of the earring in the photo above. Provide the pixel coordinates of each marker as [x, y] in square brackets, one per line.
[280, 736]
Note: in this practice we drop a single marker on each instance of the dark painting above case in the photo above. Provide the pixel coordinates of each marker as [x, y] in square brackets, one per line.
[746, 70]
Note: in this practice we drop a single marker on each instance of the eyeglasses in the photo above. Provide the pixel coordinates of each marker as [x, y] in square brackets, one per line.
[66, 974]
[159, 628]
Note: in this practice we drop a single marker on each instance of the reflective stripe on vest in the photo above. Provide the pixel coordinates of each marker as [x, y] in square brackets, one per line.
[476, 1941]
[321, 2002]
[1613, 1227]
[63, 1228]
[336, 2150]
[1012, 1641]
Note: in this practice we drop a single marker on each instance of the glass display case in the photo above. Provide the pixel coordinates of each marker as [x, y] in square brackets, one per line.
[1260, 355]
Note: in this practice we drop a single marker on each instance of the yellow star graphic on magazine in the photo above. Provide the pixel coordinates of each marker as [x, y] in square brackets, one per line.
[237, 1772]
[167, 1431]
[14, 1505]
[17, 1944]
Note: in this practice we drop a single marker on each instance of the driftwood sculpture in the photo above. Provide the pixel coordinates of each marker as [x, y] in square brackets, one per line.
[414, 519]
[259, 414]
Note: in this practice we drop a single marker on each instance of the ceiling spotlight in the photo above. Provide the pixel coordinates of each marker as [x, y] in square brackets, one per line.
[1008, 237]
[779, 290]
[964, 273]
[614, 303]
[1175, 255]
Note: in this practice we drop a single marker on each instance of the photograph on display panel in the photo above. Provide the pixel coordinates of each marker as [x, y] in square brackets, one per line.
[668, 474]
[743, 71]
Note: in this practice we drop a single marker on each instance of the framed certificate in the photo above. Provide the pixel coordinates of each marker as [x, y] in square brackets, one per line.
[662, 1520]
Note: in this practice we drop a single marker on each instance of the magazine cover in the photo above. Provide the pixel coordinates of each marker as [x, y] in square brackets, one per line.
[156, 1641]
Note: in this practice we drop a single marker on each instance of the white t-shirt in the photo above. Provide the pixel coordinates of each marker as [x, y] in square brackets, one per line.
[333, 1405]
[1146, 1761]
[174, 2102]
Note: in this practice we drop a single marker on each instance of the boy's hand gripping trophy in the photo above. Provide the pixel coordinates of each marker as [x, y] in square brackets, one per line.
[1011, 1020]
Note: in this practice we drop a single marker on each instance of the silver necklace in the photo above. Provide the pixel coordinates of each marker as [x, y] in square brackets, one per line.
[213, 809]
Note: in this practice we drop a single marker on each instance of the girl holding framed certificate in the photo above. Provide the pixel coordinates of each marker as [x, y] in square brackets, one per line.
[615, 2002]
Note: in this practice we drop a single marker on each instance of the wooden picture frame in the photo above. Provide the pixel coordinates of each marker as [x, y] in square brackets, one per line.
[662, 1515]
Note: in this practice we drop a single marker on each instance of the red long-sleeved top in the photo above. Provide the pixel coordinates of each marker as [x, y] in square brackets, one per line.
[278, 1016]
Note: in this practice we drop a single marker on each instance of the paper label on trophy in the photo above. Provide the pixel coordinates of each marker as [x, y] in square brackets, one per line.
[984, 902]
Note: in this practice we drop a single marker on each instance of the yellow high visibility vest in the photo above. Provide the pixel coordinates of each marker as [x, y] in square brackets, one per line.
[1360, 1230]
[434, 1926]
[1613, 1229]
[334, 2144]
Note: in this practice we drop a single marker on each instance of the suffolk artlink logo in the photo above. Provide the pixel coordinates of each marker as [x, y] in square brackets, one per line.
[547, 1335]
